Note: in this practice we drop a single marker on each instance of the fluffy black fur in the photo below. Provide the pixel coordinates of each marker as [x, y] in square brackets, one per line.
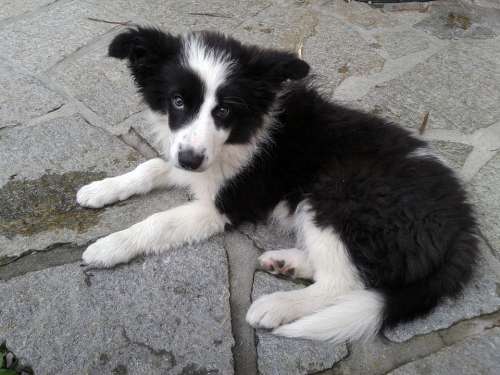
[405, 220]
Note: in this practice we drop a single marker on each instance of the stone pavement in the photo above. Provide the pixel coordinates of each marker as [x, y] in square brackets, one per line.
[70, 115]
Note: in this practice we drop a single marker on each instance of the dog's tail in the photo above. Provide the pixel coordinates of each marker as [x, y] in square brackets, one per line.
[357, 315]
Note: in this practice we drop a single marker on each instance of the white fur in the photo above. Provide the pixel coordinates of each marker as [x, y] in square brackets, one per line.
[328, 262]
[188, 223]
[327, 254]
[146, 177]
[356, 315]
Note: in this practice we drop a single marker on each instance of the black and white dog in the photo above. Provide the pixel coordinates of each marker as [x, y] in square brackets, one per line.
[383, 226]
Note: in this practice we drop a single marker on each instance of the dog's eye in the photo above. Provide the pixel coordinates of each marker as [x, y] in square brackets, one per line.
[222, 112]
[178, 102]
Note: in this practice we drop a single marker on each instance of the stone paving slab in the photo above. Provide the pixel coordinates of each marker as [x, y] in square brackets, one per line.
[182, 16]
[473, 356]
[42, 168]
[455, 20]
[486, 196]
[11, 8]
[44, 38]
[481, 296]
[23, 97]
[102, 83]
[446, 85]
[164, 315]
[279, 355]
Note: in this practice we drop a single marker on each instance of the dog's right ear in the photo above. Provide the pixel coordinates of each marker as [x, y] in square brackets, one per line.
[146, 48]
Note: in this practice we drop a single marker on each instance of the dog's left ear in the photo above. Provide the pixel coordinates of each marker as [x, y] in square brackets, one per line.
[278, 66]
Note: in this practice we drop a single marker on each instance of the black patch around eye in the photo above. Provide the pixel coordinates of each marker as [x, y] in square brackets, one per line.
[182, 82]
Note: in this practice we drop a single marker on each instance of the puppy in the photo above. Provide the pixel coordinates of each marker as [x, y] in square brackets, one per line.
[384, 228]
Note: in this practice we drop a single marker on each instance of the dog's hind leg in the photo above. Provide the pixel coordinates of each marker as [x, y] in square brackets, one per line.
[333, 273]
[287, 262]
[149, 175]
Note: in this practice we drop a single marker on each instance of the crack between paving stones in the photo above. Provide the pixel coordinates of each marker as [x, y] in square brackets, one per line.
[135, 140]
[229, 274]
[41, 265]
[445, 345]
[236, 351]
[153, 351]
[254, 242]
[488, 244]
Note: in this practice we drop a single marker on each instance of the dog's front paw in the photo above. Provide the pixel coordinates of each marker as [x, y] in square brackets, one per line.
[109, 251]
[99, 193]
[270, 311]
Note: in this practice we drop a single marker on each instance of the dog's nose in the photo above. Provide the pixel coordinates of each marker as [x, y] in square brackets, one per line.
[188, 159]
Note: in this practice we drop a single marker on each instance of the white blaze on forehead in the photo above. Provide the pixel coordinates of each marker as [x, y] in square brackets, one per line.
[212, 66]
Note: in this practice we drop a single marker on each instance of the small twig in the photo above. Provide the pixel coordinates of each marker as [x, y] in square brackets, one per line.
[423, 126]
[300, 49]
[208, 14]
[126, 23]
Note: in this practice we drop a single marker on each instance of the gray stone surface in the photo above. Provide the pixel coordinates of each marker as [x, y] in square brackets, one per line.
[38, 188]
[485, 194]
[164, 315]
[337, 51]
[23, 97]
[102, 83]
[46, 37]
[459, 86]
[481, 296]
[181, 16]
[279, 355]
[455, 20]
[473, 356]
[401, 43]
[269, 237]
[453, 152]
[11, 8]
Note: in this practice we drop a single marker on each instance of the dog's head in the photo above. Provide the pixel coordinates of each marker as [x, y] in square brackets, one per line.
[211, 89]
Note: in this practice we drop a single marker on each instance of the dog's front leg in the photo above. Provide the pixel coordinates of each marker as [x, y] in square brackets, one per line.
[149, 175]
[189, 223]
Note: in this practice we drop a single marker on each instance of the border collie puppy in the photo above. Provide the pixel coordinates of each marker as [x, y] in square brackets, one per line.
[384, 228]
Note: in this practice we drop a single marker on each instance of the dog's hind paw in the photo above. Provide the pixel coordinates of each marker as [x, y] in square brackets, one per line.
[288, 262]
[270, 311]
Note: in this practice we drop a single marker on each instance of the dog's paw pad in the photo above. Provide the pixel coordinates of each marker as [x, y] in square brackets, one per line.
[277, 265]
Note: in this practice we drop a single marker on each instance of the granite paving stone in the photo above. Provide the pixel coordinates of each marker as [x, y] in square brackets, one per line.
[486, 196]
[474, 356]
[47, 37]
[23, 97]
[165, 314]
[337, 51]
[459, 86]
[38, 188]
[11, 8]
[453, 152]
[102, 83]
[280, 355]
